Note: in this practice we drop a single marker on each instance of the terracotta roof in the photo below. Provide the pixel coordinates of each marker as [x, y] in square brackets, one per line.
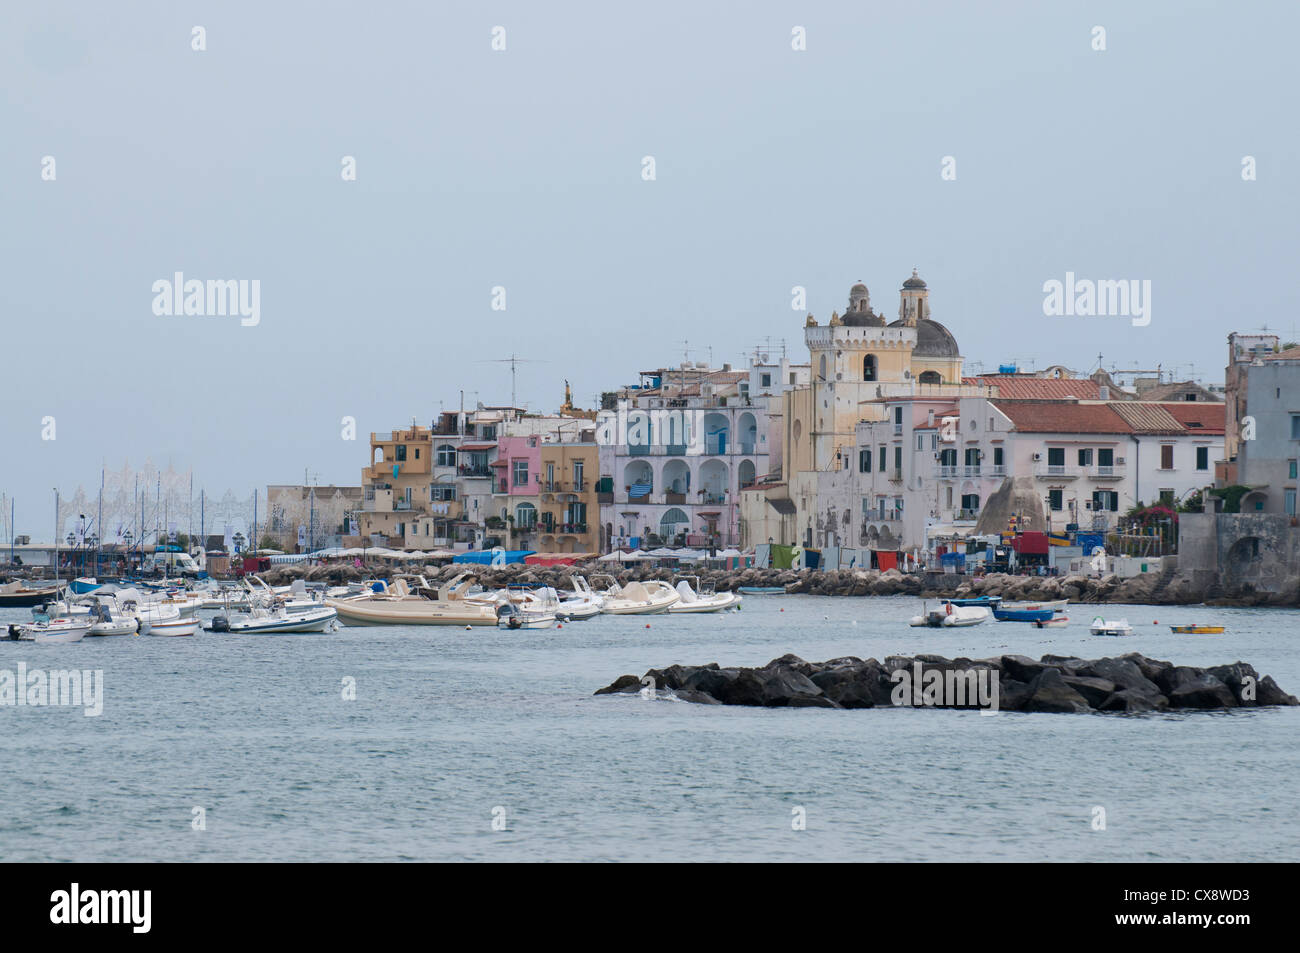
[1290, 354]
[1171, 392]
[1062, 416]
[1201, 417]
[1025, 387]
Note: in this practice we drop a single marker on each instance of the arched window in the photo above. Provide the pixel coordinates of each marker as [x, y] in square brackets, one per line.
[673, 521]
[869, 367]
[446, 455]
[931, 377]
[525, 516]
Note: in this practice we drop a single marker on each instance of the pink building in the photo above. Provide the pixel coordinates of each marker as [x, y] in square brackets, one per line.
[517, 466]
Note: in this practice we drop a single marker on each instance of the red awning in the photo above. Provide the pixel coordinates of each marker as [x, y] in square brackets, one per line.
[555, 559]
[887, 560]
[478, 446]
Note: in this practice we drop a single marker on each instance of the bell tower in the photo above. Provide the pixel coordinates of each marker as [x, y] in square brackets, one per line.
[914, 301]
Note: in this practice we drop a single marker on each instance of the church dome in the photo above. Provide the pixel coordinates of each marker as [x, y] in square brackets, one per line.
[932, 339]
[859, 313]
[914, 282]
[863, 319]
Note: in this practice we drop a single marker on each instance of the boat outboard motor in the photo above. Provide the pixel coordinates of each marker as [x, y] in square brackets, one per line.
[220, 624]
[13, 633]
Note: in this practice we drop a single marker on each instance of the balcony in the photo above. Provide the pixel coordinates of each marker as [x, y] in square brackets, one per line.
[967, 516]
[997, 470]
[971, 471]
[1102, 472]
[1055, 471]
[946, 472]
[474, 471]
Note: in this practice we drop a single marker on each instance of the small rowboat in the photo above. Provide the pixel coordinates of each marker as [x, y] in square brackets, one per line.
[987, 602]
[762, 590]
[1058, 622]
[1023, 615]
[1197, 629]
[174, 627]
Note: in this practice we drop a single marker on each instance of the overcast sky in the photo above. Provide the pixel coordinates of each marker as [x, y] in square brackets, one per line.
[522, 168]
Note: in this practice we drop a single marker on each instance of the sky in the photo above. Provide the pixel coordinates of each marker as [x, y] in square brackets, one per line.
[523, 168]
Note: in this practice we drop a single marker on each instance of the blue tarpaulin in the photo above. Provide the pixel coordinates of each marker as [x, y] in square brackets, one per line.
[1088, 540]
[485, 557]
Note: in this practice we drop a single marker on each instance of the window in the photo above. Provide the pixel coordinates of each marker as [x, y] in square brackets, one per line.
[1289, 497]
[401, 453]
[898, 459]
[898, 416]
[881, 457]
[577, 474]
[920, 441]
[997, 456]
[1056, 457]
[898, 506]
[869, 367]
[417, 453]
[1291, 469]
[949, 497]
[1167, 496]
[520, 472]
[442, 492]
[1105, 500]
[1295, 426]
[970, 501]
[1056, 500]
[972, 456]
[864, 461]
[446, 456]
[930, 377]
[1085, 457]
[1202, 458]
[1166, 456]
[765, 380]
[1105, 457]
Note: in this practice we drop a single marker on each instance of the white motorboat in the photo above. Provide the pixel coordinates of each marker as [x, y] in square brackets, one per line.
[397, 606]
[105, 621]
[57, 631]
[580, 604]
[174, 627]
[950, 616]
[151, 614]
[528, 609]
[261, 620]
[1101, 626]
[695, 599]
[639, 598]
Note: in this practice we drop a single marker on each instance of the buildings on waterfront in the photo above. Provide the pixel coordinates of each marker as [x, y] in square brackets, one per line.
[882, 441]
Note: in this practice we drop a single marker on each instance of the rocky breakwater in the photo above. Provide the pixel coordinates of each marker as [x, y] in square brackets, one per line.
[1130, 683]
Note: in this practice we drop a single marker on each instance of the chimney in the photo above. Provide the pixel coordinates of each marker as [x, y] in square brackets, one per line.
[1103, 392]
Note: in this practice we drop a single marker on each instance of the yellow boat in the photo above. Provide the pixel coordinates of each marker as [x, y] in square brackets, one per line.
[1197, 629]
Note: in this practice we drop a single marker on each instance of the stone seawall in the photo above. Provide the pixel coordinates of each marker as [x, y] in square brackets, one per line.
[1166, 588]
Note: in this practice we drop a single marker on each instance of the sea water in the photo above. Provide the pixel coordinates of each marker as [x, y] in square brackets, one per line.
[438, 743]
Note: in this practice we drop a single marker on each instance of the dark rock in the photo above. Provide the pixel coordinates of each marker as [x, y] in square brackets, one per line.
[863, 685]
[1094, 690]
[1172, 678]
[1202, 691]
[1048, 692]
[699, 698]
[1022, 668]
[1134, 701]
[1268, 693]
[624, 683]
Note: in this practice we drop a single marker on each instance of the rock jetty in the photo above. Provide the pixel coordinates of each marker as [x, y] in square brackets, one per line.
[1130, 683]
[1164, 588]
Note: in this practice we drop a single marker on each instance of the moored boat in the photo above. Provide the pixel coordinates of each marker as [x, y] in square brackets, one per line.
[260, 620]
[17, 595]
[1056, 622]
[57, 631]
[1102, 626]
[1195, 629]
[397, 606]
[174, 627]
[640, 598]
[761, 590]
[694, 599]
[987, 602]
[950, 615]
[1023, 615]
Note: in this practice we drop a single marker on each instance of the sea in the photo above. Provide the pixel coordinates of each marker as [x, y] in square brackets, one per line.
[446, 744]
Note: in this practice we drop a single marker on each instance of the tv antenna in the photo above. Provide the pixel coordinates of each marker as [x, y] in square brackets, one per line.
[514, 362]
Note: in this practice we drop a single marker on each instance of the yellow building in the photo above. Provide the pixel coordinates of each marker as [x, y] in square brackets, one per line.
[397, 484]
[570, 515]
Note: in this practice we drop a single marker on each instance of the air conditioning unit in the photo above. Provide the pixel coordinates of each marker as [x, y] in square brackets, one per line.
[1038, 456]
[1119, 461]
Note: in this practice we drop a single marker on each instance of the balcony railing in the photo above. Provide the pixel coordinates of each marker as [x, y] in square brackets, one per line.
[1108, 472]
[470, 471]
[969, 515]
[1058, 471]
[972, 471]
[945, 472]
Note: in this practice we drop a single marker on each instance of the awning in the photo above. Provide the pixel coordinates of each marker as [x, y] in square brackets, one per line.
[784, 507]
[477, 446]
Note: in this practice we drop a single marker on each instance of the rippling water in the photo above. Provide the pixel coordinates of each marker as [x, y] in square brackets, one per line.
[449, 725]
